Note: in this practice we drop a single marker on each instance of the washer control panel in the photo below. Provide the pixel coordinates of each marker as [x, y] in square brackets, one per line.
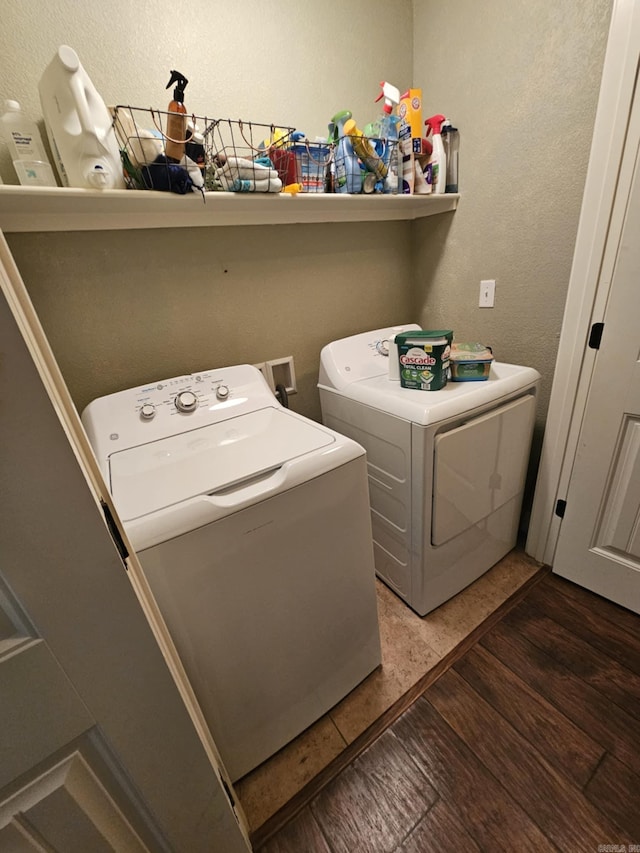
[160, 409]
[182, 395]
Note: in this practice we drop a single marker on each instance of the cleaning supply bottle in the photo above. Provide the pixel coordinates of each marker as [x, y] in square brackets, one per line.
[365, 150]
[176, 136]
[438, 156]
[387, 125]
[25, 145]
[451, 142]
[387, 129]
[79, 125]
[348, 174]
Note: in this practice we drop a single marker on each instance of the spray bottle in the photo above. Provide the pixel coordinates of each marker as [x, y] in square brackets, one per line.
[387, 129]
[438, 157]
[177, 119]
[387, 124]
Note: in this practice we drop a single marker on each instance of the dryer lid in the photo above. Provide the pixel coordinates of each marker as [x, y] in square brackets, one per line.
[209, 459]
[430, 407]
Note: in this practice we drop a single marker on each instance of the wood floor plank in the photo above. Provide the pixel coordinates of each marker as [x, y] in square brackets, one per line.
[616, 682]
[603, 721]
[615, 789]
[486, 810]
[563, 744]
[586, 622]
[440, 829]
[302, 833]
[559, 808]
[375, 802]
[606, 609]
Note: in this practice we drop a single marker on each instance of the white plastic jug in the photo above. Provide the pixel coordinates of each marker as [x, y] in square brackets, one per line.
[79, 125]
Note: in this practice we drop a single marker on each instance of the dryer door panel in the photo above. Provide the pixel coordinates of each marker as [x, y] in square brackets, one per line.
[479, 467]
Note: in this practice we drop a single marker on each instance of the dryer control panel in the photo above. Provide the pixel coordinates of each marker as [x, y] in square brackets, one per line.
[170, 406]
[358, 357]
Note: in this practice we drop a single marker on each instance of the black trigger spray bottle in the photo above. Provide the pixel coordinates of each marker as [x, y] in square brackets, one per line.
[177, 119]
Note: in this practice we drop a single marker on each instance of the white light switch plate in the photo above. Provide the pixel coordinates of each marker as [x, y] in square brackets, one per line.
[487, 293]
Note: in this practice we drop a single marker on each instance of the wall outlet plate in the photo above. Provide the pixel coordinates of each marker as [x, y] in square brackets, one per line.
[283, 373]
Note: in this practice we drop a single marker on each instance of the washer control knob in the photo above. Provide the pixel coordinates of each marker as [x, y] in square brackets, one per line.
[147, 411]
[383, 347]
[186, 401]
[222, 392]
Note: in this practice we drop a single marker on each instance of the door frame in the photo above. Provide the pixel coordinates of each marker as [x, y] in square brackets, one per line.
[604, 203]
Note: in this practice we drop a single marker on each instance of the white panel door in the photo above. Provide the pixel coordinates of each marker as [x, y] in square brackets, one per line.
[98, 750]
[599, 542]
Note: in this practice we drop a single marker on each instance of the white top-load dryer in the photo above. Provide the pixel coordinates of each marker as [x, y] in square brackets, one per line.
[446, 468]
[252, 526]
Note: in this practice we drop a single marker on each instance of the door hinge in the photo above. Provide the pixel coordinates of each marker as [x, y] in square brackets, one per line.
[560, 508]
[231, 798]
[595, 336]
[115, 533]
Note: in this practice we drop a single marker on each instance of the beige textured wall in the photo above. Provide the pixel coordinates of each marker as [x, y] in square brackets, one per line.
[120, 308]
[521, 81]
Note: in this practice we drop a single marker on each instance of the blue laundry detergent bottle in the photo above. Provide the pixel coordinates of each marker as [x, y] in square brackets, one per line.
[348, 174]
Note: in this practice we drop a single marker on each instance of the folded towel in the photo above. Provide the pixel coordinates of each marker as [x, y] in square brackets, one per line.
[244, 162]
[249, 173]
[249, 181]
[265, 185]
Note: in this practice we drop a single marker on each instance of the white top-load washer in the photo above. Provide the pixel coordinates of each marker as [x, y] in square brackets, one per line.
[446, 468]
[252, 526]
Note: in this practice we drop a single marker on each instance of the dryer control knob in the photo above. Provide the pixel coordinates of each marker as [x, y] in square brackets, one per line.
[147, 411]
[186, 401]
[222, 392]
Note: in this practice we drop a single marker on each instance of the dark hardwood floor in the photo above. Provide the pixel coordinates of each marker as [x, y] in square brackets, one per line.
[530, 741]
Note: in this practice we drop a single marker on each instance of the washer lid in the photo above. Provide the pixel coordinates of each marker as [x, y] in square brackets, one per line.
[210, 459]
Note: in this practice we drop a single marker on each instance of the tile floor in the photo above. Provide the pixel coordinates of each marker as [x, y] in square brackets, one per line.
[411, 646]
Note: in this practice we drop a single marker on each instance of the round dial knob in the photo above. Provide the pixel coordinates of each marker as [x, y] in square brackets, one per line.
[186, 401]
[383, 347]
[147, 411]
[222, 392]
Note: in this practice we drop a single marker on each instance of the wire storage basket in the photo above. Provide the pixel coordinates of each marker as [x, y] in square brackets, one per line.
[168, 151]
[161, 150]
[313, 165]
[246, 156]
[380, 164]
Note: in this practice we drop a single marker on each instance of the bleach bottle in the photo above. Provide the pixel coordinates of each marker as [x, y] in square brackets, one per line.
[79, 125]
[348, 174]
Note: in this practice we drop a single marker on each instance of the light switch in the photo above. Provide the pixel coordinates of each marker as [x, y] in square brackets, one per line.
[487, 293]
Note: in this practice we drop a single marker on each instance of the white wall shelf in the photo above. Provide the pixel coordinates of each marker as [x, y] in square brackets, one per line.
[69, 209]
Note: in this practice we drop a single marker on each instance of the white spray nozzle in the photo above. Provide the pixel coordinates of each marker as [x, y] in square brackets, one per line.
[390, 94]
